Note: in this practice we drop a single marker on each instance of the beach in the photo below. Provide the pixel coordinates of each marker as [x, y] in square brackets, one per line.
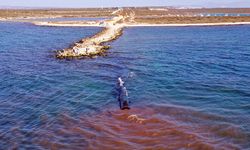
[65, 24]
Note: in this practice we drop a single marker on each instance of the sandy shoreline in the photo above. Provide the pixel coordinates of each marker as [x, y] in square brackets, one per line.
[139, 25]
[65, 24]
[126, 17]
[183, 25]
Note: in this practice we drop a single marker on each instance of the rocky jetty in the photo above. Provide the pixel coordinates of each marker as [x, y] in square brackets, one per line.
[95, 45]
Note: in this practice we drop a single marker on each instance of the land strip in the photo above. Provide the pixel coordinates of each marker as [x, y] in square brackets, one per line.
[13, 14]
[95, 45]
[126, 17]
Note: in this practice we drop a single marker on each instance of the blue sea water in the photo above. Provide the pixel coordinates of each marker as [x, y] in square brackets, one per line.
[226, 14]
[197, 78]
[62, 19]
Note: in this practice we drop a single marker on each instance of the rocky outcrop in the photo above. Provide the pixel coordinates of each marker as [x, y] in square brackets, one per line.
[95, 45]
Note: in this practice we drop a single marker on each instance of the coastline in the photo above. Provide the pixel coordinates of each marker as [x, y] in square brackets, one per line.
[112, 29]
[194, 24]
[50, 24]
[121, 18]
[140, 24]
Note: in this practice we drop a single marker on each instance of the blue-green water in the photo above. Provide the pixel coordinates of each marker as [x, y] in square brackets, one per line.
[195, 79]
[62, 19]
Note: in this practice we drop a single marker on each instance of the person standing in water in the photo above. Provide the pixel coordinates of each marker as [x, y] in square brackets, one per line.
[122, 95]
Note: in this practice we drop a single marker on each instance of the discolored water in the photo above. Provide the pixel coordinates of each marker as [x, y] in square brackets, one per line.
[189, 88]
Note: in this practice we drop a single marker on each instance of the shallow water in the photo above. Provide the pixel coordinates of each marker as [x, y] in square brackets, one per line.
[63, 19]
[189, 87]
[226, 14]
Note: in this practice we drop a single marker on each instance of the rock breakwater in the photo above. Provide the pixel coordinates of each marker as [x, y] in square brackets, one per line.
[95, 45]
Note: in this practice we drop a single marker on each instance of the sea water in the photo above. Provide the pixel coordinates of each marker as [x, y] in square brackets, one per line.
[189, 85]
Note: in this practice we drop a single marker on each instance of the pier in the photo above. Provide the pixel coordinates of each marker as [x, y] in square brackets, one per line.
[95, 45]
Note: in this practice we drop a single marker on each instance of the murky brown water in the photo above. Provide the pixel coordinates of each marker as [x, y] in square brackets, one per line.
[157, 127]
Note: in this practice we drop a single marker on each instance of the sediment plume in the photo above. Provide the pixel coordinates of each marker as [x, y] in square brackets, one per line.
[144, 127]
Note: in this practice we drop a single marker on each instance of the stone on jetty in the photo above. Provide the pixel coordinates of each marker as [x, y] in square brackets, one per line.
[95, 45]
